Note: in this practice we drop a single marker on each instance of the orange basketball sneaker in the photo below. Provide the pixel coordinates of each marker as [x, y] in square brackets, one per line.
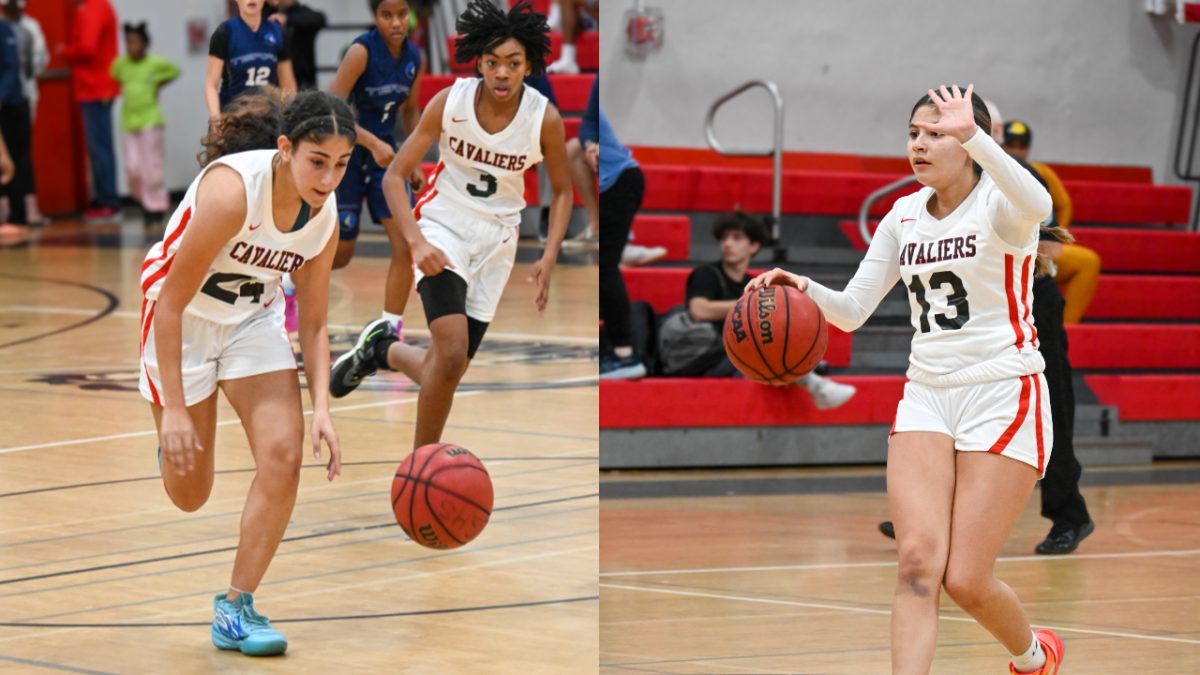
[1053, 647]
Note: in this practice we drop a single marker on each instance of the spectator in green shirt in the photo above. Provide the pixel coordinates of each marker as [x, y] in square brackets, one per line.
[141, 76]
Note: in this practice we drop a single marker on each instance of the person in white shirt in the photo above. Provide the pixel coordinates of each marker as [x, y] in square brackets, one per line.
[973, 431]
[213, 318]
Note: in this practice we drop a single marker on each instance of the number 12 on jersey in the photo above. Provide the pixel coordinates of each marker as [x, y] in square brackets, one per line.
[956, 299]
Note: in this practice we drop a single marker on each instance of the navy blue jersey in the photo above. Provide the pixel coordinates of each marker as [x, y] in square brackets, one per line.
[384, 84]
[251, 57]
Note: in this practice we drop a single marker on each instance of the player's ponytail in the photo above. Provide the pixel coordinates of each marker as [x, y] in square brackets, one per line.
[256, 121]
[1063, 236]
[250, 122]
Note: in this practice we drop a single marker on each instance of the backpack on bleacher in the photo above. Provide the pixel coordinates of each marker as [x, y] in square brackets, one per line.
[688, 348]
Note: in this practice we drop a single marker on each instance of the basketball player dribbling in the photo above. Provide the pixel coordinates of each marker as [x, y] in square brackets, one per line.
[463, 232]
[973, 431]
[213, 318]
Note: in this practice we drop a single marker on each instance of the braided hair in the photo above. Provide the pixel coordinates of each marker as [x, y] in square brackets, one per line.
[256, 121]
[484, 25]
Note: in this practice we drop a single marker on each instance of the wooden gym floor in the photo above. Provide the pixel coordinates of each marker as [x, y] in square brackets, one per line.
[100, 573]
[784, 571]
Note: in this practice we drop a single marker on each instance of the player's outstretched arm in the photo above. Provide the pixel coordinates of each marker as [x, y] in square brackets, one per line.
[428, 258]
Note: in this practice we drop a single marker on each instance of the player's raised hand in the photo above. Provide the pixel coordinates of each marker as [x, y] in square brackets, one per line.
[778, 277]
[957, 116]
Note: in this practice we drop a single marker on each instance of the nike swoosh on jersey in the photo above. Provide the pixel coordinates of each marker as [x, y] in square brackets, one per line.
[454, 119]
[255, 227]
[907, 220]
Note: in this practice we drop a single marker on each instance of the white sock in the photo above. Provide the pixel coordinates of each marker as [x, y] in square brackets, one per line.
[568, 53]
[1032, 659]
[810, 381]
[396, 320]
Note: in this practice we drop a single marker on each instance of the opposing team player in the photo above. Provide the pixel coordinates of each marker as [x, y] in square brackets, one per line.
[463, 232]
[379, 75]
[212, 318]
[245, 53]
[973, 431]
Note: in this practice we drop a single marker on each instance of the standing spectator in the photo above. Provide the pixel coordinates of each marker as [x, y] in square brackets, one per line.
[622, 187]
[1078, 266]
[14, 125]
[302, 24]
[91, 52]
[141, 76]
[246, 53]
[34, 57]
[577, 16]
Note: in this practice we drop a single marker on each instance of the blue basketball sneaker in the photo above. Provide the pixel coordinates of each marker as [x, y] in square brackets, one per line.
[237, 626]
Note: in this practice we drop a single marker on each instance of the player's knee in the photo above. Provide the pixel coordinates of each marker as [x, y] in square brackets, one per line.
[190, 498]
[574, 149]
[452, 359]
[1091, 260]
[966, 587]
[343, 254]
[278, 463]
[919, 568]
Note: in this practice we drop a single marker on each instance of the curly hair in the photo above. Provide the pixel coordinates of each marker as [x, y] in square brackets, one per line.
[256, 121]
[483, 26]
[754, 228]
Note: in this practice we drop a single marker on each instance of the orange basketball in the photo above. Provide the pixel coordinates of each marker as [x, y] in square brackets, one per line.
[442, 496]
[775, 335]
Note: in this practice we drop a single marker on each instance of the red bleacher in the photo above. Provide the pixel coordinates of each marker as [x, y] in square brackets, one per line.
[1148, 397]
[712, 402]
[587, 52]
[665, 287]
[1129, 346]
[707, 188]
[572, 91]
[673, 233]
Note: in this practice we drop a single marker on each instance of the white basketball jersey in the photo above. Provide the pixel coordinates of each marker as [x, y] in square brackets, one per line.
[970, 292]
[245, 276]
[486, 172]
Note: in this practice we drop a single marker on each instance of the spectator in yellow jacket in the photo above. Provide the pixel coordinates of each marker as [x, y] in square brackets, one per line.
[1078, 266]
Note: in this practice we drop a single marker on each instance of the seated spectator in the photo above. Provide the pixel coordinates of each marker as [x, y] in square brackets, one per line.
[1078, 266]
[713, 288]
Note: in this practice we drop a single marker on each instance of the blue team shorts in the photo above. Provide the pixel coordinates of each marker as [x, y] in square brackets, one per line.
[363, 179]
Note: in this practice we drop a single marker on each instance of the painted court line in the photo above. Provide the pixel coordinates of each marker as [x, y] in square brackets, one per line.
[892, 563]
[335, 409]
[865, 610]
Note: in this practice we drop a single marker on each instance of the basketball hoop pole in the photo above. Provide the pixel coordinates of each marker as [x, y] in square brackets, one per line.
[776, 151]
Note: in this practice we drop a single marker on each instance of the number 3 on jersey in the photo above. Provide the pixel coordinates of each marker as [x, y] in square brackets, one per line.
[489, 186]
[956, 299]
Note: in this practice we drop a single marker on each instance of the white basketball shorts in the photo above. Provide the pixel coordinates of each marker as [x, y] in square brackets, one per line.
[1008, 417]
[214, 352]
[482, 251]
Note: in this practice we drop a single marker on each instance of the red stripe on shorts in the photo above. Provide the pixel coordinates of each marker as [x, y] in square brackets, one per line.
[1037, 384]
[424, 200]
[1022, 408]
[1012, 300]
[147, 321]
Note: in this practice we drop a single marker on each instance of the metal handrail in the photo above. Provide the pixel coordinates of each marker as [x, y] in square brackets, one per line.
[1182, 170]
[777, 150]
[865, 210]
